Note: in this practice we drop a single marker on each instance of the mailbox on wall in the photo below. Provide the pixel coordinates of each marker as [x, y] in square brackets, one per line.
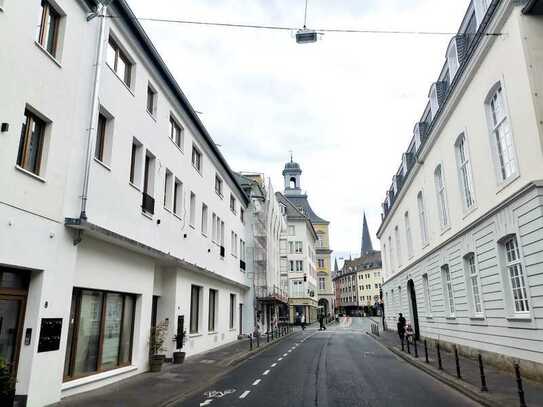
[50, 331]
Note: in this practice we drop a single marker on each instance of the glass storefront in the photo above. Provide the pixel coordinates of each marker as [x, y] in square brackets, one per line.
[100, 332]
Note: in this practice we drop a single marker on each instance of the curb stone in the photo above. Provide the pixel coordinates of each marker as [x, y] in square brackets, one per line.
[231, 366]
[465, 388]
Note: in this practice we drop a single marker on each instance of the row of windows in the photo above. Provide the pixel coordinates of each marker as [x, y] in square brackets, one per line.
[213, 308]
[516, 293]
[506, 163]
[360, 287]
[367, 298]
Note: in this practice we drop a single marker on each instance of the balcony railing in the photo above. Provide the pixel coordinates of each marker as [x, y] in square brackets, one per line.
[271, 293]
[148, 203]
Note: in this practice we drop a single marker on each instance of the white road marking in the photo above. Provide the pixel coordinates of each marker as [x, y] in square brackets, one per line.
[266, 372]
[290, 350]
[275, 364]
[280, 359]
[244, 394]
[206, 403]
[284, 354]
[256, 382]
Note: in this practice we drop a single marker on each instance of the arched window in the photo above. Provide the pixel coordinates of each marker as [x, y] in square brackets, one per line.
[293, 182]
[408, 236]
[500, 131]
[422, 219]
[398, 245]
[441, 196]
[474, 284]
[464, 171]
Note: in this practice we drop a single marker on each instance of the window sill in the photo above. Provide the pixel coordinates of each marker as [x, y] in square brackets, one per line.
[468, 212]
[477, 318]
[195, 335]
[97, 377]
[192, 227]
[219, 195]
[445, 229]
[121, 79]
[147, 215]
[30, 174]
[151, 115]
[197, 170]
[51, 57]
[134, 186]
[520, 318]
[177, 216]
[167, 209]
[177, 146]
[212, 333]
[505, 183]
[450, 318]
[107, 167]
[204, 235]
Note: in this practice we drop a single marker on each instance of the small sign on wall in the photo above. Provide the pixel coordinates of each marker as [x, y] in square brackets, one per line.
[50, 331]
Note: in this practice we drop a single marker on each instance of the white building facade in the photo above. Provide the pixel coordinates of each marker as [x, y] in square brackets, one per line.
[160, 233]
[463, 220]
[269, 290]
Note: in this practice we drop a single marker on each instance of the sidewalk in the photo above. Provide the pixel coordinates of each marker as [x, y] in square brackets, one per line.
[174, 382]
[502, 386]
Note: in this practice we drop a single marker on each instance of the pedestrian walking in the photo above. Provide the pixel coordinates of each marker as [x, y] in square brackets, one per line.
[302, 322]
[321, 322]
[401, 326]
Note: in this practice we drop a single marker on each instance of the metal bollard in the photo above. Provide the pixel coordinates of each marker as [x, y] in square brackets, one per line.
[457, 361]
[482, 371]
[408, 348]
[519, 386]
[415, 346]
[426, 352]
[440, 366]
[401, 339]
[267, 336]
[251, 342]
[258, 341]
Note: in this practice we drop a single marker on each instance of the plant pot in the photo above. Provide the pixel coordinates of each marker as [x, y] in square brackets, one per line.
[7, 400]
[178, 358]
[155, 363]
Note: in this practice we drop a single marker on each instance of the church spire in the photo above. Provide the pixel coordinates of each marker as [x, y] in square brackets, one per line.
[335, 266]
[366, 245]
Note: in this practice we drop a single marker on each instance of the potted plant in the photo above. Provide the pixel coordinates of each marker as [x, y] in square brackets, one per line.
[156, 346]
[7, 385]
[179, 356]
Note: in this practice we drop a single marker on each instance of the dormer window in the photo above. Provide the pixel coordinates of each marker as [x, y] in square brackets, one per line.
[481, 7]
[452, 59]
[434, 103]
[419, 132]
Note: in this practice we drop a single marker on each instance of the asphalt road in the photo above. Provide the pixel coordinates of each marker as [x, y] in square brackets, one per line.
[341, 366]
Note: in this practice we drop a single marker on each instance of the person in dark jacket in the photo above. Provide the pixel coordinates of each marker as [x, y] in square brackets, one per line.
[401, 326]
[321, 322]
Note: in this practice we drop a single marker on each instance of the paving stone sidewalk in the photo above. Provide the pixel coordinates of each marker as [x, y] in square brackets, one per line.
[502, 385]
[174, 382]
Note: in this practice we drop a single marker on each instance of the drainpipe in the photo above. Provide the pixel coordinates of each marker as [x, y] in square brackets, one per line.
[101, 13]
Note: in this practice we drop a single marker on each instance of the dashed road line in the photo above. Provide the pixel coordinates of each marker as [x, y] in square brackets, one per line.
[285, 355]
[274, 364]
[256, 382]
[266, 372]
[280, 359]
[206, 403]
[244, 394]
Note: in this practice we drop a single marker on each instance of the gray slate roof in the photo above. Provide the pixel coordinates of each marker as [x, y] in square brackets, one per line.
[293, 212]
[300, 201]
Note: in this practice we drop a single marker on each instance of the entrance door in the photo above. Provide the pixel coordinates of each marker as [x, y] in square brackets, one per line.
[11, 324]
[413, 303]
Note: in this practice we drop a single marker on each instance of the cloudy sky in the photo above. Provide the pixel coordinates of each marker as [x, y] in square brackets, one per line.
[345, 106]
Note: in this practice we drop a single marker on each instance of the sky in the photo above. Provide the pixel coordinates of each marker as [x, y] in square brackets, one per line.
[345, 106]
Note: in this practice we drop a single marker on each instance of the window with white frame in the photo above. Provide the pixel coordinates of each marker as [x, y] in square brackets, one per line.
[104, 130]
[427, 294]
[464, 171]
[119, 62]
[502, 138]
[441, 196]
[434, 103]
[452, 59]
[408, 235]
[398, 245]
[196, 159]
[516, 275]
[481, 7]
[204, 219]
[31, 143]
[232, 203]
[299, 247]
[299, 265]
[177, 196]
[151, 99]
[448, 293]
[422, 218]
[390, 253]
[291, 230]
[192, 217]
[399, 296]
[474, 284]
[218, 186]
[168, 189]
[321, 283]
[176, 132]
[214, 228]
